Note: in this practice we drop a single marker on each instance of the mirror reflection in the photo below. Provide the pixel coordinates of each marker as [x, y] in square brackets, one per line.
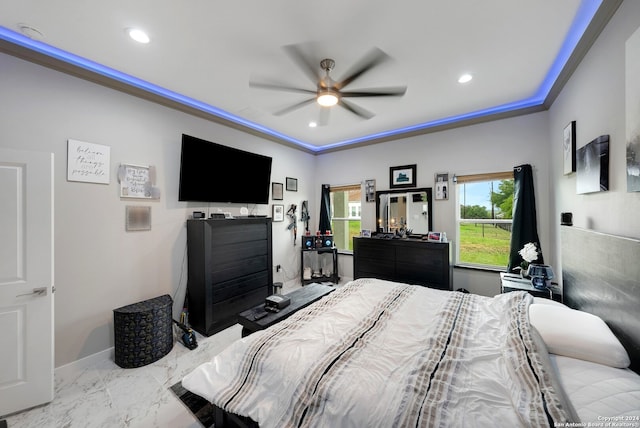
[404, 211]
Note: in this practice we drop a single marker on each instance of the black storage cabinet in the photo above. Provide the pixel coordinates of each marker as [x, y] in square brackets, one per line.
[230, 271]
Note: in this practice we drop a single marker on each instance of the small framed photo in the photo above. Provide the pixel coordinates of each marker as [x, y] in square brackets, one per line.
[278, 212]
[434, 237]
[292, 184]
[402, 176]
[569, 148]
[365, 233]
[276, 191]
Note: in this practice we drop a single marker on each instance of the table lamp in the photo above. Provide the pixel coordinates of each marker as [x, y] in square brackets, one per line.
[541, 276]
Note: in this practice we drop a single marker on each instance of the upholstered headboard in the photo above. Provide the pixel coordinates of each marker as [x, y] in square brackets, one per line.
[601, 275]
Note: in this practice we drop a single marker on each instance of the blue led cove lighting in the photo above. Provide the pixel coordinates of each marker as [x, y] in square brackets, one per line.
[586, 12]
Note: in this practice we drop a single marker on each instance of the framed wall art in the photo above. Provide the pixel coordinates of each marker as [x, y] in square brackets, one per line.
[370, 190]
[292, 184]
[442, 186]
[402, 176]
[592, 168]
[278, 212]
[569, 148]
[88, 162]
[138, 181]
[276, 191]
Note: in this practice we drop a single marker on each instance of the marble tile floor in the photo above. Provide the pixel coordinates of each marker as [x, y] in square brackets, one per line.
[102, 394]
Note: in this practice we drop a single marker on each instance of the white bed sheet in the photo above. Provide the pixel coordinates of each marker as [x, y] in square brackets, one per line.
[392, 351]
[600, 394]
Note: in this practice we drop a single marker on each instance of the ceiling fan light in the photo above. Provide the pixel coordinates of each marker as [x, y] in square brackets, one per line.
[327, 99]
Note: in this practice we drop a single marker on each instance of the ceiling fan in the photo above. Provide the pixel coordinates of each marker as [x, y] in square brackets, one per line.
[329, 92]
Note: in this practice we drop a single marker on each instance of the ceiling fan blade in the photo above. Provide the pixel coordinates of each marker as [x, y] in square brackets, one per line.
[294, 107]
[279, 87]
[395, 91]
[356, 109]
[311, 69]
[370, 60]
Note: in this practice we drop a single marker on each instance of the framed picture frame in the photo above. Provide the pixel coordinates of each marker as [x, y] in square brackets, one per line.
[292, 184]
[88, 162]
[366, 233]
[402, 176]
[137, 218]
[442, 187]
[569, 148]
[434, 237]
[276, 191]
[370, 190]
[277, 212]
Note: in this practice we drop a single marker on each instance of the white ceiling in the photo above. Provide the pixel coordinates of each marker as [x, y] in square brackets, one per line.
[209, 51]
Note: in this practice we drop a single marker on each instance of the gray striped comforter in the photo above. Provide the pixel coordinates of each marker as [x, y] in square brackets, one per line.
[382, 354]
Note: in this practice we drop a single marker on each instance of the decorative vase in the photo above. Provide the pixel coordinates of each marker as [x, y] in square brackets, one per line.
[524, 268]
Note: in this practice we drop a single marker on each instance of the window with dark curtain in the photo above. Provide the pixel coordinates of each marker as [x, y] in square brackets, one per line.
[524, 229]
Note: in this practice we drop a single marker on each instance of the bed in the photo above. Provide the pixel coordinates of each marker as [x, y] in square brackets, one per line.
[383, 354]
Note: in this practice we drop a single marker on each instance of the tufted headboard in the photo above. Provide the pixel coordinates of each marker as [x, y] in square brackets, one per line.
[601, 275]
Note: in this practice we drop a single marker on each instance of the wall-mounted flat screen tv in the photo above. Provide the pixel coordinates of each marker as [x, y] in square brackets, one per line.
[211, 172]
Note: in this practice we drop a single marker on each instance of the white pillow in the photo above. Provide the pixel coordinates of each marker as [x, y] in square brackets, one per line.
[577, 334]
[545, 301]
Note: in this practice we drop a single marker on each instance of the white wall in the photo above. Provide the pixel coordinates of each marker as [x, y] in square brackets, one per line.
[489, 147]
[595, 99]
[98, 265]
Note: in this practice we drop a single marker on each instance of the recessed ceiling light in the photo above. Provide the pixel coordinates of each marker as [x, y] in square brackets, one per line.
[138, 35]
[312, 124]
[30, 32]
[465, 78]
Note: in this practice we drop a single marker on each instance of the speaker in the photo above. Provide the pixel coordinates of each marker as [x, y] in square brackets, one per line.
[327, 241]
[566, 219]
[308, 242]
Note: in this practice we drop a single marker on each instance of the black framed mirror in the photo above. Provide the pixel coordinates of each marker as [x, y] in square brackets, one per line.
[404, 209]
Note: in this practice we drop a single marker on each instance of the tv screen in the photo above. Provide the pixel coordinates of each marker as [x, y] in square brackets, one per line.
[211, 172]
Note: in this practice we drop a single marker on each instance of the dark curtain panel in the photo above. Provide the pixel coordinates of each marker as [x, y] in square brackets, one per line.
[325, 209]
[524, 228]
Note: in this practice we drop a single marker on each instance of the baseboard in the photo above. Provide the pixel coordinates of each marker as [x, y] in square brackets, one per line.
[73, 368]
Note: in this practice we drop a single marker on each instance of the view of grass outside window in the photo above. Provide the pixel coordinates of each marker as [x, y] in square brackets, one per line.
[346, 206]
[485, 205]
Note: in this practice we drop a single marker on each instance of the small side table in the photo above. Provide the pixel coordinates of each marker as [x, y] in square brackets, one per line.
[512, 282]
[315, 256]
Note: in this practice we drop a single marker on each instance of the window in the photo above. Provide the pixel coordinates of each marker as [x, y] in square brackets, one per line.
[484, 205]
[346, 207]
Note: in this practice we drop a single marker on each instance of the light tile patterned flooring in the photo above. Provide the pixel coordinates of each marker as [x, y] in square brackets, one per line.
[104, 395]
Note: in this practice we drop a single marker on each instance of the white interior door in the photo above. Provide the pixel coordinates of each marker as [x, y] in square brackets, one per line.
[26, 280]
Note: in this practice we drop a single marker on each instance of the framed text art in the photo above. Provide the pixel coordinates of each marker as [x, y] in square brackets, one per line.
[138, 181]
[569, 148]
[402, 176]
[88, 162]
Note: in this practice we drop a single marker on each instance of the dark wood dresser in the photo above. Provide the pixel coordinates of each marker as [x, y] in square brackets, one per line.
[229, 270]
[412, 261]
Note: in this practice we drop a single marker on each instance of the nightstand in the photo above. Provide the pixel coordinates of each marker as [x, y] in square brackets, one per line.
[514, 282]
